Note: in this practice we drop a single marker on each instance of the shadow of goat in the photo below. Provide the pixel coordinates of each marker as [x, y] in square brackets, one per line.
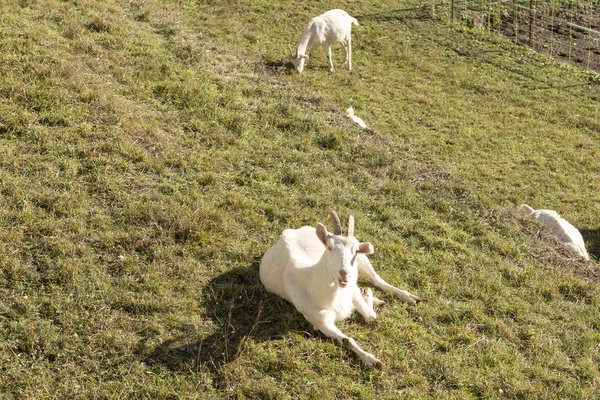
[592, 239]
[242, 309]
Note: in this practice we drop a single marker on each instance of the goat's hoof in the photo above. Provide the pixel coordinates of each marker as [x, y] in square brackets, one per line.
[378, 302]
[408, 297]
[373, 362]
[371, 318]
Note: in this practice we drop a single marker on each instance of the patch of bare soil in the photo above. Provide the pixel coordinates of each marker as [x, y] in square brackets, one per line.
[562, 33]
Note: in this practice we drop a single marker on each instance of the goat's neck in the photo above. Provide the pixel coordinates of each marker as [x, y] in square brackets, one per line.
[303, 43]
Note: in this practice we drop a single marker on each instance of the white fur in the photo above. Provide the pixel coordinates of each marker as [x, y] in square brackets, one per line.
[330, 28]
[560, 227]
[317, 272]
[357, 120]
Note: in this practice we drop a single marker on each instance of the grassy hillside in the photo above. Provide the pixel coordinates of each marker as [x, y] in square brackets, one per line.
[151, 151]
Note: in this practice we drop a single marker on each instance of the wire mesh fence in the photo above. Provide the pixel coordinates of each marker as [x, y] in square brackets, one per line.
[566, 30]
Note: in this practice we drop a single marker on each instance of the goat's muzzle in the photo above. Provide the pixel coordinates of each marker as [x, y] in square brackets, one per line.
[343, 280]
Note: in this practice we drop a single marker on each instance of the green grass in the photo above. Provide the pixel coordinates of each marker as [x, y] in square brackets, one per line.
[151, 151]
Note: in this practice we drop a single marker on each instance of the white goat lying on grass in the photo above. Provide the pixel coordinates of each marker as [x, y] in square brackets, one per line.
[330, 28]
[560, 227]
[357, 120]
[317, 272]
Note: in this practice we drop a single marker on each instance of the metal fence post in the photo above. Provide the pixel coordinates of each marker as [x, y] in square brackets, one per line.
[531, 11]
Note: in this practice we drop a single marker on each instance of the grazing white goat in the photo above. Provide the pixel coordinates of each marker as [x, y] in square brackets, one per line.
[357, 120]
[330, 28]
[560, 227]
[317, 272]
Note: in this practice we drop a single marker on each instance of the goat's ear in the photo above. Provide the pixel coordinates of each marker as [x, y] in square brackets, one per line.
[366, 248]
[322, 233]
[305, 57]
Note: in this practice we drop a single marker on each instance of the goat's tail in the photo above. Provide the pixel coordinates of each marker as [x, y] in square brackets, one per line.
[354, 21]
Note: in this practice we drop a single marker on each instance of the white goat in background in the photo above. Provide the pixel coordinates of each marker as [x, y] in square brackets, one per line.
[330, 28]
[317, 272]
[560, 227]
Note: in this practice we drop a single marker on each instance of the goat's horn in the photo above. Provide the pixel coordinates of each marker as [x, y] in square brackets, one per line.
[351, 226]
[291, 52]
[337, 226]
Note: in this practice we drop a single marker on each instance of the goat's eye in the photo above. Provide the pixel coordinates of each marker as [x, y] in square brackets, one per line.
[329, 248]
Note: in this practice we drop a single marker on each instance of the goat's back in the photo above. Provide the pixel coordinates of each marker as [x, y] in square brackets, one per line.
[332, 27]
[296, 248]
[562, 228]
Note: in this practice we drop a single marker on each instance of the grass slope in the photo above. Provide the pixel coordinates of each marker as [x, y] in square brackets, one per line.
[151, 151]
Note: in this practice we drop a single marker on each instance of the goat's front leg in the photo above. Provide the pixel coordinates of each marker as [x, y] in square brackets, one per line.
[325, 323]
[363, 302]
[371, 300]
[365, 266]
[310, 58]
